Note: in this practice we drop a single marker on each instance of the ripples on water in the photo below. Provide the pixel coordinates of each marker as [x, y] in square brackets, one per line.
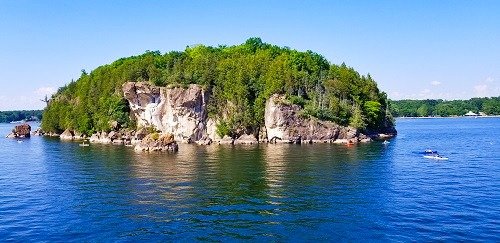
[57, 191]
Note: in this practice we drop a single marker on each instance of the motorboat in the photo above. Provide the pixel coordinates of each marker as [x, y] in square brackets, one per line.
[17, 122]
[436, 157]
[430, 151]
[385, 142]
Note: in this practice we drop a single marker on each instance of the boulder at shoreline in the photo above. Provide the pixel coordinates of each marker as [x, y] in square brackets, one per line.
[20, 131]
[158, 142]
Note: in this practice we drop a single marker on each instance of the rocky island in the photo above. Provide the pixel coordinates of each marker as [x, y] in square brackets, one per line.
[20, 131]
[245, 94]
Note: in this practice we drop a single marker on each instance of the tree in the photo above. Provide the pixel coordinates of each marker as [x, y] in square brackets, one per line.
[423, 110]
[357, 120]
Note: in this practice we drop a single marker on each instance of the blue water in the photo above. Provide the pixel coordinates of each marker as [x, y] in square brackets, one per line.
[58, 191]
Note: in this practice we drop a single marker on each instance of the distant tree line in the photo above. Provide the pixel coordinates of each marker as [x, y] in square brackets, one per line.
[27, 115]
[240, 78]
[425, 108]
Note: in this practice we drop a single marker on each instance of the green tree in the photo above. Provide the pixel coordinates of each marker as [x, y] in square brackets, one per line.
[357, 120]
[423, 110]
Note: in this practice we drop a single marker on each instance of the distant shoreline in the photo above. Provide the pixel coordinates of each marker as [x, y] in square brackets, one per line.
[443, 117]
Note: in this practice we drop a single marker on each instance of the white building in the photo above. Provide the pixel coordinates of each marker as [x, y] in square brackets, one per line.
[470, 113]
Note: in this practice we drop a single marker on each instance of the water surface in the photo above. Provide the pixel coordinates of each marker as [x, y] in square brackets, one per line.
[57, 191]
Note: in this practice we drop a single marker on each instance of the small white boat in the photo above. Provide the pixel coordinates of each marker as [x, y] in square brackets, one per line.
[19, 141]
[84, 145]
[386, 142]
[17, 122]
[436, 157]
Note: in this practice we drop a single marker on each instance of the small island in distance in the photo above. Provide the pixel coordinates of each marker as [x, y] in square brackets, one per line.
[249, 93]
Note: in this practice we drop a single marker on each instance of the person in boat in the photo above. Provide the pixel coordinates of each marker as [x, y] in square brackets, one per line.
[430, 151]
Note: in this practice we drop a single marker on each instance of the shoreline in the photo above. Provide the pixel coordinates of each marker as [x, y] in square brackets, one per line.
[444, 117]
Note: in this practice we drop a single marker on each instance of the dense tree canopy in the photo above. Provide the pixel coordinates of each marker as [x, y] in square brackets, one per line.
[240, 78]
[424, 108]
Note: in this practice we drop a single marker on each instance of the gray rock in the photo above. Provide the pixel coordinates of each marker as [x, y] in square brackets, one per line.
[20, 131]
[246, 139]
[176, 110]
[157, 142]
[66, 135]
[226, 140]
[94, 138]
[284, 124]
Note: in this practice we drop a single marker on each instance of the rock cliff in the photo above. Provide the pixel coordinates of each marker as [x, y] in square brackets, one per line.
[182, 112]
[284, 123]
[178, 111]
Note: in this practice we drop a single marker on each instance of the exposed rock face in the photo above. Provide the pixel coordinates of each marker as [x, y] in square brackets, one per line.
[66, 135]
[246, 139]
[182, 112]
[178, 111]
[95, 138]
[20, 131]
[157, 142]
[226, 140]
[141, 133]
[211, 129]
[284, 124]
[116, 137]
[71, 135]
[38, 132]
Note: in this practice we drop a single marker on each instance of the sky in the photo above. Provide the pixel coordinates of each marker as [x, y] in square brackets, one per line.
[422, 49]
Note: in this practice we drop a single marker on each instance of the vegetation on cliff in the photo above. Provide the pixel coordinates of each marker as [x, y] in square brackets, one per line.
[240, 78]
[424, 108]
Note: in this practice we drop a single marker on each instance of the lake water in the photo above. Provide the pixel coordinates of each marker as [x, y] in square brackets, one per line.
[58, 191]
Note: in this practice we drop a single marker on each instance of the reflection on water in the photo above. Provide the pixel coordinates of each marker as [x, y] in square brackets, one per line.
[57, 191]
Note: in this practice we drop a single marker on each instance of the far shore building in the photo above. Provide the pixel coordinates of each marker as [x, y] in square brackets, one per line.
[470, 113]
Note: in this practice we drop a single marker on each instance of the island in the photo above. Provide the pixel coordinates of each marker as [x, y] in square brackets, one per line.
[244, 94]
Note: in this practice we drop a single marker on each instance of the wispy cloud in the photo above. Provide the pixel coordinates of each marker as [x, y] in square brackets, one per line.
[26, 101]
[435, 83]
[45, 91]
[481, 89]
[425, 92]
[428, 94]
[487, 88]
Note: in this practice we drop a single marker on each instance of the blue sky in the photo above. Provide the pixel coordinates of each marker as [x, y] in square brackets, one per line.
[414, 49]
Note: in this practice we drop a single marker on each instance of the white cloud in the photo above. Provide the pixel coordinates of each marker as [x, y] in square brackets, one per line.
[481, 88]
[395, 95]
[429, 94]
[425, 92]
[435, 83]
[27, 101]
[45, 91]
[487, 88]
